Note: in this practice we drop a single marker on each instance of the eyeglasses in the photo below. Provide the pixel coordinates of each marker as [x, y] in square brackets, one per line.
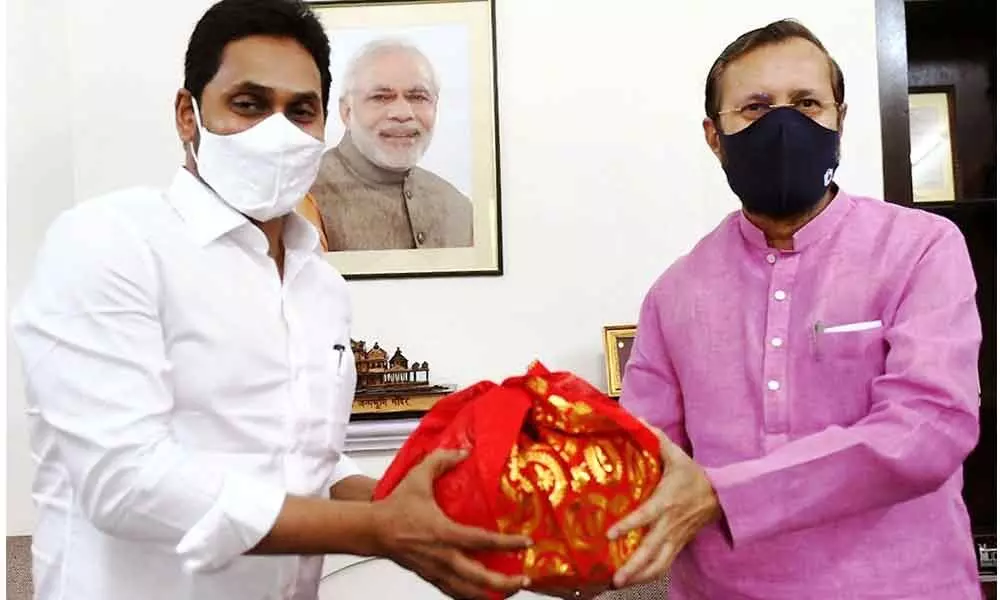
[807, 106]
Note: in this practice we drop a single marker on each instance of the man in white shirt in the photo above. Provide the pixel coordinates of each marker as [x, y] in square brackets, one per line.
[188, 365]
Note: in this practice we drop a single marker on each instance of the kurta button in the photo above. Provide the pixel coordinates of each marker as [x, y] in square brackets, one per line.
[408, 194]
[420, 237]
[773, 385]
[776, 342]
[772, 258]
[780, 295]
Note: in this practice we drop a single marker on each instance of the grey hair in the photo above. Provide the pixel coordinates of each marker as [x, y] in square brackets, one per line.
[376, 47]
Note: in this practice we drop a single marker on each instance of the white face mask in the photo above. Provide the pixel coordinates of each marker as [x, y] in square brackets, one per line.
[263, 172]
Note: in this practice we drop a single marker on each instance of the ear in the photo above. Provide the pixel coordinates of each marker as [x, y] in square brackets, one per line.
[712, 137]
[184, 117]
[840, 118]
[345, 110]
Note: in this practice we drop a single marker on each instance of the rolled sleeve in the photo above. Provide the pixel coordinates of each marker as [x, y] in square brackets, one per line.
[345, 467]
[245, 511]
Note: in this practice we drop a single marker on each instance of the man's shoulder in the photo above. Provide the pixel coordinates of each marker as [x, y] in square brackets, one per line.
[438, 188]
[116, 213]
[706, 256]
[897, 223]
[332, 163]
[334, 175]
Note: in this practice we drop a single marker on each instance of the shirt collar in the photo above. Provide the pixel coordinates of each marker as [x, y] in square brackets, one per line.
[818, 228]
[209, 218]
[362, 167]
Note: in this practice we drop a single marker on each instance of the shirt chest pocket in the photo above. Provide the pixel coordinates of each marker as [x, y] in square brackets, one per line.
[341, 378]
[860, 341]
[323, 422]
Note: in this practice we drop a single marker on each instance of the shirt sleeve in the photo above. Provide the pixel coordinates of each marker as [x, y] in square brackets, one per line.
[88, 330]
[649, 387]
[345, 467]
[922, 424]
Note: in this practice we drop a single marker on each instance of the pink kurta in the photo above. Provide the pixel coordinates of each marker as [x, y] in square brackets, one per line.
[831, 393]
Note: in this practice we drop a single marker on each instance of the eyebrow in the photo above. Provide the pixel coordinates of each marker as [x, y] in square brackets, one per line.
[802, 93]
[385, 88]
[250, 87]
[757, 97]
[794, 96]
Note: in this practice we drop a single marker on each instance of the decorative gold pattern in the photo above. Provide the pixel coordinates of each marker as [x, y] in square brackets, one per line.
[538, 385]
[573, 449]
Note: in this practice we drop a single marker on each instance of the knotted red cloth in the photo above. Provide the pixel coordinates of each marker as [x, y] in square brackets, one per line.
[551, 457]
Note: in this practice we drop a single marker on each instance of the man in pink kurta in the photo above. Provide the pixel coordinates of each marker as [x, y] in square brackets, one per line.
[816, 356]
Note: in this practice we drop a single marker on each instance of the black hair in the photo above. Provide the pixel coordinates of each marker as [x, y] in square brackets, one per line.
[232, 20]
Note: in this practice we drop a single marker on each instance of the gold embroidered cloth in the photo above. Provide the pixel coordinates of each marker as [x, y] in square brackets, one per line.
[552, 458]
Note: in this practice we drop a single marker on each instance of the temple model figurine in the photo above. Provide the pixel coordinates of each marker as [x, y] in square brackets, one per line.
[381, 375]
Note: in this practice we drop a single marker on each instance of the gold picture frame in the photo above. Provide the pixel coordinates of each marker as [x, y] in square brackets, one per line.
[932, 152]
[617, 349]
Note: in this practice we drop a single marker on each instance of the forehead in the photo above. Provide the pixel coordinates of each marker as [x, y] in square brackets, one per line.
[278, 63]
[777, 69]
[394, 69]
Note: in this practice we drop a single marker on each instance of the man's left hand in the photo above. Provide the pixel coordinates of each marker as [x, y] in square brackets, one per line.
[683, 503]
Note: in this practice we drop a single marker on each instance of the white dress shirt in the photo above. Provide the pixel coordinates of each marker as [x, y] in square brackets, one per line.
[178, 389]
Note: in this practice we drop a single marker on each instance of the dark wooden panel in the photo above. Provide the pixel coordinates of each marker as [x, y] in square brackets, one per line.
[953, 45]
[893, 86]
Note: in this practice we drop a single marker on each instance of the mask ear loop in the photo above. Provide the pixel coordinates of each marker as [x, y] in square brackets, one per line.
[200, 128]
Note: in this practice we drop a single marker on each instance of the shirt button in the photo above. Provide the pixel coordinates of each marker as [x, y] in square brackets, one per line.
[776, 342]
[420, 237]
[773, 385]
[408, 194]
[780, 295]
[772, 258]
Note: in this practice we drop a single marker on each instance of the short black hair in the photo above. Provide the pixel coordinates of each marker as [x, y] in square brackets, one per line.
[772, 33]
[233, 20]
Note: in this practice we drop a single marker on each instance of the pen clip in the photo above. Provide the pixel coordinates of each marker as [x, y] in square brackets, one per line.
[818, 328]
[340, 354]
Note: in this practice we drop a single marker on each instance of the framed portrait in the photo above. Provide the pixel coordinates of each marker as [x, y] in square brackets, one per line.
[410, 182]
[932, 144]
[617, 348]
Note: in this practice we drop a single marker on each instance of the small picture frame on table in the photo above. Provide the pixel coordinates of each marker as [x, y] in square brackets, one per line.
[617, 348]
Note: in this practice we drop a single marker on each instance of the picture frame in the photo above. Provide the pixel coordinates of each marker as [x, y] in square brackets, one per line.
[618, 341]
[410, 183]
[932, 144]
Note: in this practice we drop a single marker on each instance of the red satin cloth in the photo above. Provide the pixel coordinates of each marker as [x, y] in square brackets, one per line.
[551, 457]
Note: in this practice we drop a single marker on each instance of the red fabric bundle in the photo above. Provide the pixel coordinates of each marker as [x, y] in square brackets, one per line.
[551, 457]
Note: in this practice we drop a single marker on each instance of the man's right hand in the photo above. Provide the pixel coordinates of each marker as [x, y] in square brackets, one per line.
[413, 531]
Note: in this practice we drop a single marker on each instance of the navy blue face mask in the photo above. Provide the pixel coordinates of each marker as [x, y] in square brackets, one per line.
[782, 164]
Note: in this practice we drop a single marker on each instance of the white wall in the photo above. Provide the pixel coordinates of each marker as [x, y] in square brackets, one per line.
[605, 175]
[40, 184]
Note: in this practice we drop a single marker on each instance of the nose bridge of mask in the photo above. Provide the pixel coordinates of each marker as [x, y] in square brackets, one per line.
[274, 128]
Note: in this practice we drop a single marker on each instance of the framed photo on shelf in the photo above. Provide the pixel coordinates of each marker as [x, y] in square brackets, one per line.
[410, 182]
[617, 348]
[932, 161]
